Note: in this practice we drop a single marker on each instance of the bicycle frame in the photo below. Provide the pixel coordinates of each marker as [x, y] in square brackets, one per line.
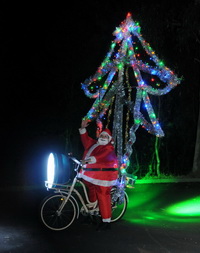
[70, 199]
[66, 189]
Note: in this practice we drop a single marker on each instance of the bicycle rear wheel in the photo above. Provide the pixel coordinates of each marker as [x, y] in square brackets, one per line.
[119, 209]
[52, 217]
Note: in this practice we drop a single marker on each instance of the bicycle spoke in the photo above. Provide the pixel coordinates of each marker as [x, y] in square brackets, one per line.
[54, 218]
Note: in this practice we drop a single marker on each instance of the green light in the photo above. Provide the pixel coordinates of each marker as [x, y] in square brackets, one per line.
[118, 30]
[147, 207]
[186, 208]
[161, 64]
[120, 65]
[152, 116]
[151, 197]
[113, 45]
[137, 121]
[150, 218]
[130, 52]
[123, 171]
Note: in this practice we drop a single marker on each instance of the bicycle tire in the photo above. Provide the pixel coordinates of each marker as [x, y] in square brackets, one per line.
[49, 212]
[118, 210]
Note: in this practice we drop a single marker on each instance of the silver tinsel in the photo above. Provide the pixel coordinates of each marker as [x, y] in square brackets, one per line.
[113, 66]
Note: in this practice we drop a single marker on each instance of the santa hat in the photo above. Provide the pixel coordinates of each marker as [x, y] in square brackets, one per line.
[108, 132]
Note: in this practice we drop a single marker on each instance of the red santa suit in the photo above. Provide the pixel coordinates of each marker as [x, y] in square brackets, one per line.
[101, 173]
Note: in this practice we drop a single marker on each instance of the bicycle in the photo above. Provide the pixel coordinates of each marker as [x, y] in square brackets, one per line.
[59, 210]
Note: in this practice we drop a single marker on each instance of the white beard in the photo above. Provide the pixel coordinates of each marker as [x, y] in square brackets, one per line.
[102, 141]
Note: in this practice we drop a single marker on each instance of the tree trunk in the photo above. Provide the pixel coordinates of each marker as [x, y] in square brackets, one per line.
[196, 162]
[157, 156]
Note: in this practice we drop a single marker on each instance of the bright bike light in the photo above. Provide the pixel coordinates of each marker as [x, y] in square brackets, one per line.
[50, 170]
[58, 170]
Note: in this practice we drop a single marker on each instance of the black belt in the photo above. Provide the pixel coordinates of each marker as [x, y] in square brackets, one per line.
[100, 169]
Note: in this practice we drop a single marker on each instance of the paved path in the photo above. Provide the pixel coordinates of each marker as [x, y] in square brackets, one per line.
[149, 226]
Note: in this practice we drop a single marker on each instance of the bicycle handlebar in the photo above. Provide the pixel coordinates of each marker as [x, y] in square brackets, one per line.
[75, 160]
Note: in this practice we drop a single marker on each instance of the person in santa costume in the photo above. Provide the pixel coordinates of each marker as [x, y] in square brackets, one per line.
[100, 170]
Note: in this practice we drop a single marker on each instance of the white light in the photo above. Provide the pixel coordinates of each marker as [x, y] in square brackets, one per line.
[50, 170]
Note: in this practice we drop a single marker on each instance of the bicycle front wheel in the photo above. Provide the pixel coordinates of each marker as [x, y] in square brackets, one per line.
[56, 214]
[119, 209]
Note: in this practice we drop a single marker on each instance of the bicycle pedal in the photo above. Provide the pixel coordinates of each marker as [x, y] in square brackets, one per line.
[94, 211]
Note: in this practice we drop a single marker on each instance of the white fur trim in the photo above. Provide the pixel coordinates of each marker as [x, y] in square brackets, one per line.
[105, 142]
[92, 159]
[82, 130]
[106, 220]
[98, 181]
[90, 150]
[109, 137]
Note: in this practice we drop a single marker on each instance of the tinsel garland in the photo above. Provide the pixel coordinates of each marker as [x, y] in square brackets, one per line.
[113, 68]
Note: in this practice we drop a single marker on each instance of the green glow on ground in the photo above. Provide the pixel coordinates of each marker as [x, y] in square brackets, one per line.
[156, 205]
[189, 207]
[150, 196]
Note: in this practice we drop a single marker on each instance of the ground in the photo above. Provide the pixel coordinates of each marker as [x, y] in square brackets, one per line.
[155, 222]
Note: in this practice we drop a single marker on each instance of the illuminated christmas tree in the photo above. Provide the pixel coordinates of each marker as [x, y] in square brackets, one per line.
[130, 73]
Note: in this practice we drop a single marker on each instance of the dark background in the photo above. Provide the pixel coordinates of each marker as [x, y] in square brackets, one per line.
[48, 49]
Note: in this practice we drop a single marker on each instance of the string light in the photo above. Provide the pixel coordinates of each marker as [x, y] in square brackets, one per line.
[113, 67]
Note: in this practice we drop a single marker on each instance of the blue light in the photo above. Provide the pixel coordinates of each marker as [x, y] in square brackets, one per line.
[153, 72]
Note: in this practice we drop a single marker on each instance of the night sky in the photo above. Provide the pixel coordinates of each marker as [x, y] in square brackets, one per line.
[48, 50]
